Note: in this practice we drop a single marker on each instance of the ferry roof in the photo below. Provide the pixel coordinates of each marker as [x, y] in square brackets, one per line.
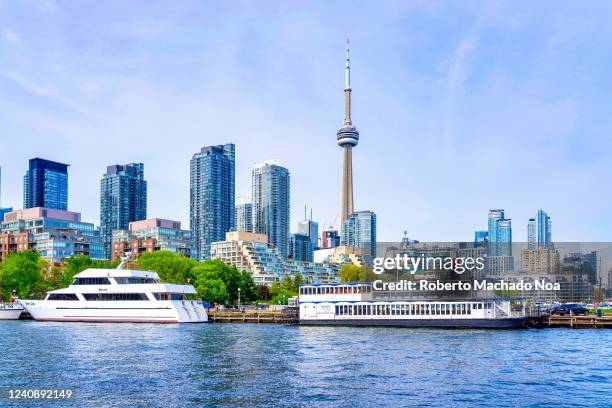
[116, 273]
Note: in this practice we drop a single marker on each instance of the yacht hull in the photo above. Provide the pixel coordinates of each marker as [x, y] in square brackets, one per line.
[177, 311]
[10, 313]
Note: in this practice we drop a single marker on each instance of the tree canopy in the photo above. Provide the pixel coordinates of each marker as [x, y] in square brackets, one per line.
[21, 272]
[171, 267]
[354, 273]
[218, 282]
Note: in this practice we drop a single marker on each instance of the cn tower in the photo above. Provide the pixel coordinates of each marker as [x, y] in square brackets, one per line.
[348, 137]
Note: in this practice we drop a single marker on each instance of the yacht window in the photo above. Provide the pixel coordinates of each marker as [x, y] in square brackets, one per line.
[132, 280]
[62, 296]
[114, 296]
[91, 281]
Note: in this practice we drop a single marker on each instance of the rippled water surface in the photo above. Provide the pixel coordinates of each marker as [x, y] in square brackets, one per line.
[277, 365]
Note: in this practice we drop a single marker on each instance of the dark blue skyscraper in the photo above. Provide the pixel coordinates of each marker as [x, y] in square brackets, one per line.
[212, 197]
[46, 185]
[300, 248]
[123, 199]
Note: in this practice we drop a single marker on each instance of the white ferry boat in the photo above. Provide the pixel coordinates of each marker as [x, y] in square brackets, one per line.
[10, 311]
[354, 304]
[118, 295]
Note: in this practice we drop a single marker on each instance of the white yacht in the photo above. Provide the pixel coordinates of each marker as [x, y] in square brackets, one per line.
[10, 311]
[119, 295]
[353, 304]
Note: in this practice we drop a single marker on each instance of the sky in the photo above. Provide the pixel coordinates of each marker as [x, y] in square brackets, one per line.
[461, 106]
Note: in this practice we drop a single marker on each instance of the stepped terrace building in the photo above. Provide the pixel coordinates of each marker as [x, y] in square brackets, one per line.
[55, 234]
[151, 235]
[252, 253]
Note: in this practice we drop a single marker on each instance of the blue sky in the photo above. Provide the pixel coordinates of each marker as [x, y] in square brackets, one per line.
[461, 106]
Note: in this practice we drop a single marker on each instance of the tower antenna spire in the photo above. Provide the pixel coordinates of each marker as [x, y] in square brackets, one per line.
[347, 137]
[347, 67]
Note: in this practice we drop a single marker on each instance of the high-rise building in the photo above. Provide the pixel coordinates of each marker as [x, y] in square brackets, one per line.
[243, 215]
[309, 228]
[123, 199]
[539, 231]
[359, 231]
[300, 248]
[330, 238]
[212, 197]
[531, 234]
[55, 234]
[347, 138]
[271, 205]
[500, 234]
[45, 184]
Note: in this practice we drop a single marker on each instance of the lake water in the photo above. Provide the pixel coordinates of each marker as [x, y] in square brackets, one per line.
[116, 365]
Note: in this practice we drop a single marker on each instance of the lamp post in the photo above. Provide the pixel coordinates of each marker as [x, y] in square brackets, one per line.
[238, 298]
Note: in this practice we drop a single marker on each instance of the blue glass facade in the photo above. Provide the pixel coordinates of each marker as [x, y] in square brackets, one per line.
[500, 234]
[359, 231]
[311, 229]
[212, 197]
[301, 248]
[123, 199]
[271, 206]
[481, 236]
[46, 185]
[539, 232]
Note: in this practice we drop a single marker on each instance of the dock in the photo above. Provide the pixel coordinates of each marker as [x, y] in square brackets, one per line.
[254, 316]
[574, 322]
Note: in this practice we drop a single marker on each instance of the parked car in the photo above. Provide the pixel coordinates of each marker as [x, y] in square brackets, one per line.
[569, 308]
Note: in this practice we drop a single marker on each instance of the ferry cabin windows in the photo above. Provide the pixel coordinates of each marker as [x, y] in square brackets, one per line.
[409, 309]
[91, 281]
[335, 290]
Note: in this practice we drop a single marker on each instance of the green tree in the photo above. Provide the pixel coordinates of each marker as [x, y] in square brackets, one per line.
[281, 292]
[171, 267]
[63, 276]
[355, 273]
[21, 271]
[297, 281]
[212, 269]
[212, 290]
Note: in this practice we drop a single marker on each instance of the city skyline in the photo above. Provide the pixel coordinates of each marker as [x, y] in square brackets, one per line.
[419, 91]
